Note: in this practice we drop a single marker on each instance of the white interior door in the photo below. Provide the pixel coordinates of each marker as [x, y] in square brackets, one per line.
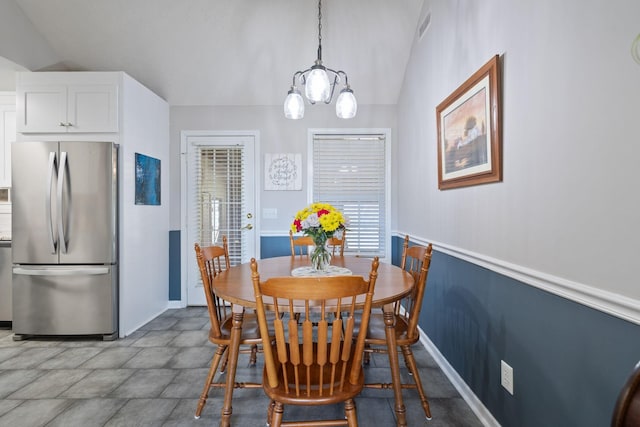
[220, 200]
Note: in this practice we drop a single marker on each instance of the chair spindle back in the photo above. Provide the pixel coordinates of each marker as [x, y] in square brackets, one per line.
[416, 260]
[312, 353]
[212, 260]
[300, 245]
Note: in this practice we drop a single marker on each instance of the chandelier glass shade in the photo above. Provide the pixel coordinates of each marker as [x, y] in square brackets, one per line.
[294, 105]
[319, 86]
[346, 105]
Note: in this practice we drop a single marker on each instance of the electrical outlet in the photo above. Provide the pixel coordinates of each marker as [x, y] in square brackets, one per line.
[506, 376]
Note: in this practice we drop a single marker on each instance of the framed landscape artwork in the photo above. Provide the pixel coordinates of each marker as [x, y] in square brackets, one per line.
[469, 143]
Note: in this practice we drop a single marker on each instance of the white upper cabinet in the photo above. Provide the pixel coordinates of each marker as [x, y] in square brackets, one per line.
[7, 135]
[45, 104]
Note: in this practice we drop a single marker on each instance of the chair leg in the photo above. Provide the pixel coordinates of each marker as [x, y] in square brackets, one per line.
[411, 363]
[278, 411]
[220, 351]
[350, 412]
[272, 404]
[406, 363]
[223, 366]
[366, 359]
[254, 355]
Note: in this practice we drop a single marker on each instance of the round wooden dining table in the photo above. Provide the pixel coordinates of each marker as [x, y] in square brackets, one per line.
[235, 285]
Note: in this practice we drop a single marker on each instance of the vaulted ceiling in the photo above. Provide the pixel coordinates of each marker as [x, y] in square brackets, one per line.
[231, 52]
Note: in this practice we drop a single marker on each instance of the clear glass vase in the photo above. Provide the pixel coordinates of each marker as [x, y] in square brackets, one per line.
[320, 255]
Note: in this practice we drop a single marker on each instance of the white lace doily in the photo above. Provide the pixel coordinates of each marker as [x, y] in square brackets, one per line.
[332, 270]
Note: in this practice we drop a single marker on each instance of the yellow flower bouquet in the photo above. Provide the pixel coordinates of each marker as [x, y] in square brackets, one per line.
[320, 221]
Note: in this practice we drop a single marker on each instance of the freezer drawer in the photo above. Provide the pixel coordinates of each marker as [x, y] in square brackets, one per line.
[65, 300]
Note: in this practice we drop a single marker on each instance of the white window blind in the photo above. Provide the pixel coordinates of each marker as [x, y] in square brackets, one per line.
[218, 202]
[349, 173]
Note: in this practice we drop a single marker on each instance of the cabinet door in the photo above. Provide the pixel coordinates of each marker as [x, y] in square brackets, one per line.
[68, 108]
[92, 108]
[42, 109]
[7, 137]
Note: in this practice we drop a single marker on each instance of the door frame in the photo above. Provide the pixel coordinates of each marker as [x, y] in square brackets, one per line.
[184, 246]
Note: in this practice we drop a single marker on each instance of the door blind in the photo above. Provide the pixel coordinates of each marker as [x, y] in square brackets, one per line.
[219, 197]
[349, 173]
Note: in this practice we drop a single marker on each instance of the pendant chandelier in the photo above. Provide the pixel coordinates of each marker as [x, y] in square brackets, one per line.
[319, 85]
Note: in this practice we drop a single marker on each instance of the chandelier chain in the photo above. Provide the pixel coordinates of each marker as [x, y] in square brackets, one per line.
[320, 83]
[320, 22]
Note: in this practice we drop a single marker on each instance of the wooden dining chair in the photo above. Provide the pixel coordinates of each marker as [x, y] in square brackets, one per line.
[416, 260]
[212, 260]
[336, 243]
[300, 245]
[626, 412]
[313, 363]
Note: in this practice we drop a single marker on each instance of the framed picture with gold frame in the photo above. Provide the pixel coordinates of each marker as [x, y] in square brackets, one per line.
[469, 131]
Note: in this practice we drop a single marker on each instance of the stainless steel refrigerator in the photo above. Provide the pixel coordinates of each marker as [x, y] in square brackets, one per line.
[65, 238]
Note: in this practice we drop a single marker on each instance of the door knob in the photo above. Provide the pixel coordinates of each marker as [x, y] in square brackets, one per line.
[248, 227]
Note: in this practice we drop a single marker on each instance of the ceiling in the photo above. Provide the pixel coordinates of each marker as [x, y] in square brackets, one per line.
[231, 52]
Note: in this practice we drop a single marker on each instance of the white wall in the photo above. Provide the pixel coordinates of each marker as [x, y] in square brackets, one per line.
[567, 211]
[144, 230]
[277, 135]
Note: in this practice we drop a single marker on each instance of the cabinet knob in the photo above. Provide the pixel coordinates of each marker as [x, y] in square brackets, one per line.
[68, 124]
[61, 124]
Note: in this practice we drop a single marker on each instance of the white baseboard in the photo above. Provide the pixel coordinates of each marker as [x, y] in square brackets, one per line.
[176, 304]
[478, 408]
[123, 333]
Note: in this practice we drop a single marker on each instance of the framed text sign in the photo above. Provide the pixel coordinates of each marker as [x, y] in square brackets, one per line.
[283, 171]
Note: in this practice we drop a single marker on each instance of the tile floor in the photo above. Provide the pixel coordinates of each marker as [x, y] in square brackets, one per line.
[154, 378]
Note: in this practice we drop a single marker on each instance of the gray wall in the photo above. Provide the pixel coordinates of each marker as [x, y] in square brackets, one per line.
[20, 43]
[538, 270]
[277, 135]
[571, 96]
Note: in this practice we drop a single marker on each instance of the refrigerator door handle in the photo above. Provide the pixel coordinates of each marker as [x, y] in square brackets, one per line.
[52, 169]
[71, 271]
[62, 171]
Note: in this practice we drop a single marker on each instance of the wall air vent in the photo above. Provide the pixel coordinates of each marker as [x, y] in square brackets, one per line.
[424, 25]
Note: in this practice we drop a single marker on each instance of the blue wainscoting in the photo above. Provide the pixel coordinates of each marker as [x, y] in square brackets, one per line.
[569, 361]
[175, 288]
[273, 246]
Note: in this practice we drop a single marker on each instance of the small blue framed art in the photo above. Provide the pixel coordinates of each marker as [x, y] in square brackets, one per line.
[147, 180]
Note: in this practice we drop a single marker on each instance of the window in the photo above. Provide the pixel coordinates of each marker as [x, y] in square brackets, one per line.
[350, 171]
[219, 198]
